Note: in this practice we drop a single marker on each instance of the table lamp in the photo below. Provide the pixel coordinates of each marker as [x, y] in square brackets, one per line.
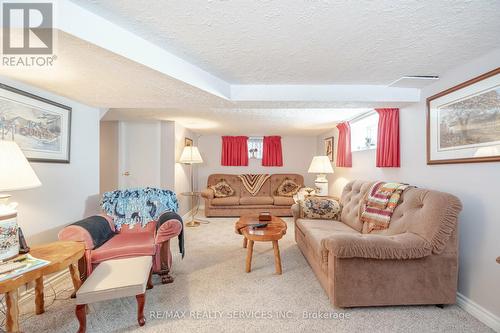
[15, 174]
[321, 165]
[191, 155]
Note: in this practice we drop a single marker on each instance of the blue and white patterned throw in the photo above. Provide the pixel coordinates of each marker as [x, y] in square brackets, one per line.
[138, 205]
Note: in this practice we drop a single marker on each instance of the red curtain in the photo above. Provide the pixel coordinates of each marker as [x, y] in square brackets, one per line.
[344, 154]
[234, 151]
[272, 154]
[388, 138]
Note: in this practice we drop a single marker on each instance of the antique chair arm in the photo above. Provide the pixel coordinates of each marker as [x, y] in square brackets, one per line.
[402, 246]
[78, 234]
[167, 230]
[207, 193]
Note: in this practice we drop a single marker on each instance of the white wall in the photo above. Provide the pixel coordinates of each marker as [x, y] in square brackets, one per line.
[69, 192]
[477, 185]
[108, 152]
[149, 151]
[298, 152]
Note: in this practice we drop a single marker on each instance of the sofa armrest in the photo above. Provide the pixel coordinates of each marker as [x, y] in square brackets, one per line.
[295, 211]
[207, 193]
[167, 230]
[401, 246]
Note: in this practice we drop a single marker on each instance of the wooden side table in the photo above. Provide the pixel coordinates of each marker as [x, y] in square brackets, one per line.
[62, 255]
[195, 202]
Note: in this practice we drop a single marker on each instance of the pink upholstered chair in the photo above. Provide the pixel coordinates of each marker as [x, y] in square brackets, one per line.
[151, 238]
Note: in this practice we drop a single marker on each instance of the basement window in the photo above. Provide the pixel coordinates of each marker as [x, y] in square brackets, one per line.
[364, 132]
[255, 147]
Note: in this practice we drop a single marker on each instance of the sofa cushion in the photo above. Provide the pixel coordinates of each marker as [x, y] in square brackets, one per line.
[288, 188]
[232, 180]
[124, 245]
[402, 246]
[283, 201]
[319, 208]
[352, 195]
[436, 213]
[278, 178]
[115, 279]
[222, 189]
[316, 231]
[229, 201]
[261, 200]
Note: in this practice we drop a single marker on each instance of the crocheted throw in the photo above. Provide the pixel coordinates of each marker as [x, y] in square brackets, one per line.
[253, 183]
[380, 203]
[140, 205]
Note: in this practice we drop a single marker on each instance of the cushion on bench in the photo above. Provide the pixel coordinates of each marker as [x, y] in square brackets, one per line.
[115, 279]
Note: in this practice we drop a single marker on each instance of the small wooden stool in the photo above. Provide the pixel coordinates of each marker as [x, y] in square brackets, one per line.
[115, 279]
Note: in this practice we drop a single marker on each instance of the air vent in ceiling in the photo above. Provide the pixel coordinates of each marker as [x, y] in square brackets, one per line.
[414, 81]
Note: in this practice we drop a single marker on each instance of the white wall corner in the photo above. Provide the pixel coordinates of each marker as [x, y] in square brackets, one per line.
[102, 112]
[479, 312]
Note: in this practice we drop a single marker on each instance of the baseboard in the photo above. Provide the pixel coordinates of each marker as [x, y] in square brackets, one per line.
[187, 217]
[479, 312]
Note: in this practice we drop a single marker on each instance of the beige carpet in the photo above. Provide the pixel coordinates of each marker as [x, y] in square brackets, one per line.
[211, 282]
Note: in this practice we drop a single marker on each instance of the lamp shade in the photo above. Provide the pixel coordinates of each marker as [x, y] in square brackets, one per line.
[15, 171]
[320, 164]
[190, 155]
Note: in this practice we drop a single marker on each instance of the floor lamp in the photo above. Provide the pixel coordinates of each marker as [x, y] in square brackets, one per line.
[191, 155]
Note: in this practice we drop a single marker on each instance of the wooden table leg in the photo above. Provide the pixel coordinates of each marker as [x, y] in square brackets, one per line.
[75, 276]
[141, 299]
[245, 240]
[81, 315]
[39, 303]
[150, 280]
[12, 320]
[249, 256]
[277, 258]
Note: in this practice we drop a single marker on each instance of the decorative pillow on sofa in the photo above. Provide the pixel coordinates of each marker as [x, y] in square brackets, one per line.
[320, 208]
[288, 188]
[222, 189]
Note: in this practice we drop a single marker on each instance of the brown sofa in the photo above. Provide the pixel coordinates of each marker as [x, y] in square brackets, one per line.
[242, 202]
[414, 261]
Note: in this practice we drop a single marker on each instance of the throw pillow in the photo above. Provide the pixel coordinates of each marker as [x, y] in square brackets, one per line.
[320, 208]
[222, 189]
[288, 188]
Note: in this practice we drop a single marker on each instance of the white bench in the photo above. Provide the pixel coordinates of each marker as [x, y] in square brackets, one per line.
[115, 279]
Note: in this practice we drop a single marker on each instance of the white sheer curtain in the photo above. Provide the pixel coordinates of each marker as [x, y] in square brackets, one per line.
[255, 147]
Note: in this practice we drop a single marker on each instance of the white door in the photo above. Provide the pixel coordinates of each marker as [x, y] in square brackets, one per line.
[139, 151]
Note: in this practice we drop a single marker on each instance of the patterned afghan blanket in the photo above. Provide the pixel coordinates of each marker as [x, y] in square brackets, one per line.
[380, 203]
[253, 183]
[141, 205]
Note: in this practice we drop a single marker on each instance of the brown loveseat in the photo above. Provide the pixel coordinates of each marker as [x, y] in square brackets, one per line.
[242, 202]
[414, 261]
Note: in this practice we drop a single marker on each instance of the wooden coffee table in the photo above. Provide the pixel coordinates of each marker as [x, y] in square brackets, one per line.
[275, 229]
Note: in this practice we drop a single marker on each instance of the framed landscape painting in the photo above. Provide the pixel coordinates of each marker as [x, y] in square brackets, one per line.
[39, 126]
[463, 122]
[329, 148]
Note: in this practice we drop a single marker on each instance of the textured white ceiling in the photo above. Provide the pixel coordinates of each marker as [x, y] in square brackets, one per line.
[248, 121]
[313, 41]
[97, 77]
